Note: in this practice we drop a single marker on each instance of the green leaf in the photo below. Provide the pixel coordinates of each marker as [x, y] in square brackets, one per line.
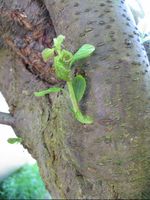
[85, 51]
[79, 86]
[66, 57]
[84, 119]
[61, 72]
[47, 54]
[14, 140]
[58, 41]
[44, 92]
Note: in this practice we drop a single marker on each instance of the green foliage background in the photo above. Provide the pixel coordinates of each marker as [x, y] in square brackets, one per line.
[25, 183]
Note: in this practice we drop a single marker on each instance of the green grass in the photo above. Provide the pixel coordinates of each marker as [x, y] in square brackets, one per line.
[25, 183]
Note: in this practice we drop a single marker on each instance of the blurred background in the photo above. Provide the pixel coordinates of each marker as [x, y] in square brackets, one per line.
[19, 173]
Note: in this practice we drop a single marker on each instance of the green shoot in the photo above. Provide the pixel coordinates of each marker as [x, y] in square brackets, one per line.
[14, 140]
[47, 54]
[44, 92]
[63, 61]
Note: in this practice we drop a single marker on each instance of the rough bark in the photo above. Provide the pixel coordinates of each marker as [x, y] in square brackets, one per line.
[109, 159]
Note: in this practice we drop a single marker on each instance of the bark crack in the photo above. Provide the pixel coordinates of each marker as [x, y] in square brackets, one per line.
[29, 36]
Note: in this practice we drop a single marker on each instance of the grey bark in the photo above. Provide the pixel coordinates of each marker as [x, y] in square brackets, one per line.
[6, 119]
[109, 159]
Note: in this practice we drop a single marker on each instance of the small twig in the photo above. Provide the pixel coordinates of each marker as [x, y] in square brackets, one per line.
[6, 118]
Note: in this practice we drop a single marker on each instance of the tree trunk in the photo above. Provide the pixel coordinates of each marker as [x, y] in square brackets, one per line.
[110, 158]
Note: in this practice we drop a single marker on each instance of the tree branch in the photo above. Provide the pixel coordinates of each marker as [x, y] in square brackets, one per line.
[6, 118]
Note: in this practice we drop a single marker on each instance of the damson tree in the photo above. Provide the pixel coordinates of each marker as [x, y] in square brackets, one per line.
[110, 158]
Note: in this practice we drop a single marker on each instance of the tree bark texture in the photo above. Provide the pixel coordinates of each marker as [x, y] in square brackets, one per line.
[110, 158]
[6, 119]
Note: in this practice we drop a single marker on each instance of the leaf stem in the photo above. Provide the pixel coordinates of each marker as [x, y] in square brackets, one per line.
[73, 97]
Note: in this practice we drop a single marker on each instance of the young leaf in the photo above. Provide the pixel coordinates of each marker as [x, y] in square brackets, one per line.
[14, 140]
[44, 92]
[66, 57]
[61, 72]
[85, 51]
[47, 53]
[84, 119]
[58, 42]
[79, 86]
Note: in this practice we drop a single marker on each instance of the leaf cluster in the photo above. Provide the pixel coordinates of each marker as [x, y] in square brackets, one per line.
[63, 63]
